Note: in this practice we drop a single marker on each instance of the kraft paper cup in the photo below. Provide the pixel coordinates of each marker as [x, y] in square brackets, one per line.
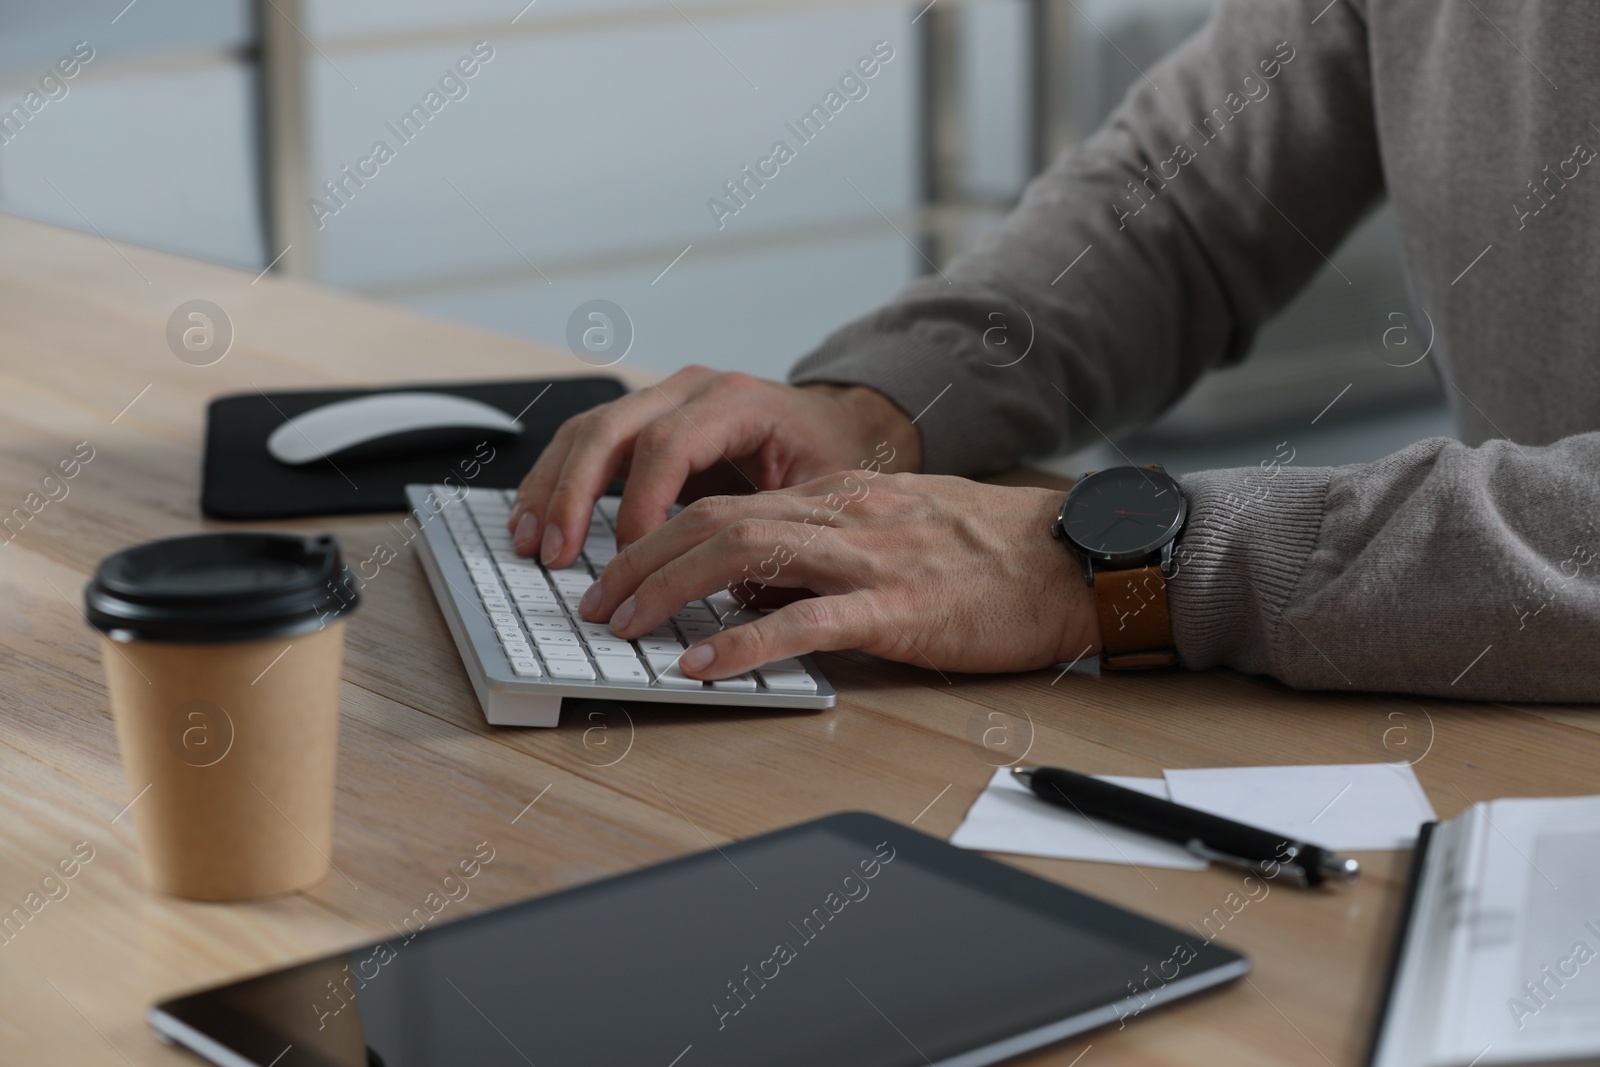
[223, 656]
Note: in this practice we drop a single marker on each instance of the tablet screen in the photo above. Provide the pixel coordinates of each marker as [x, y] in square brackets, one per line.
[847, 940]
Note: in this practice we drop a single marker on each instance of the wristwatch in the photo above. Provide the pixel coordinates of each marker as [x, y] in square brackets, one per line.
[1122, 523]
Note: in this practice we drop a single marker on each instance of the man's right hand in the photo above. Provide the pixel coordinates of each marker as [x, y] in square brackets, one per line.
[697, 432]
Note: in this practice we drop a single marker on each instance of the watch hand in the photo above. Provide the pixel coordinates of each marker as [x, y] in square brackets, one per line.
[1109, 528]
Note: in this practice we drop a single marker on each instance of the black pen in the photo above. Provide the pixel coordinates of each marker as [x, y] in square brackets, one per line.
[1209, 836]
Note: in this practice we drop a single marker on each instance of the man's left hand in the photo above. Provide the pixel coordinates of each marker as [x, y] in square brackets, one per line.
[942, 572]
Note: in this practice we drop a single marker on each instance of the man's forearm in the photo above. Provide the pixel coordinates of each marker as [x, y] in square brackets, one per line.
[1442, 569]
[1143, 257]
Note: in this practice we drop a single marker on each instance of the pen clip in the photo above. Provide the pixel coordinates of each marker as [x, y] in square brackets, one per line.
[1294, 870]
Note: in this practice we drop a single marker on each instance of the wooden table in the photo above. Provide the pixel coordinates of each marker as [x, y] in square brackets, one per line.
[422, 778]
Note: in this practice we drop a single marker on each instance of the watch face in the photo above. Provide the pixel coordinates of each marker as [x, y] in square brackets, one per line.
[1123, 513]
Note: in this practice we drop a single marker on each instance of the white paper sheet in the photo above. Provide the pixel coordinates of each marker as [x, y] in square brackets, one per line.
[1351, 806]
[1007, 817]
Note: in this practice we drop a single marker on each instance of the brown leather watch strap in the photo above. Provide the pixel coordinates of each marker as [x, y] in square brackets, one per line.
[1135, 629]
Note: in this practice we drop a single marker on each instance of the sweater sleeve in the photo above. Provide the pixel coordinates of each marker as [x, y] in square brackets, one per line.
[1440, 570]
[1141, 258]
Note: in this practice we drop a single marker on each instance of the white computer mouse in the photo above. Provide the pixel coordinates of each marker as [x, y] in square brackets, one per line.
[387, 424]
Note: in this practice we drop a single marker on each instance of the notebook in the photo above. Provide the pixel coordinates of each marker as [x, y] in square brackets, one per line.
[1498, 961]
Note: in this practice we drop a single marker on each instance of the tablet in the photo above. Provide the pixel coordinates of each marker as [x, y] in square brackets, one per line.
[847, 940]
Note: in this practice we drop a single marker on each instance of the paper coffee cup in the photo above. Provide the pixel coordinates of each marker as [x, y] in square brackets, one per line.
[222, 653]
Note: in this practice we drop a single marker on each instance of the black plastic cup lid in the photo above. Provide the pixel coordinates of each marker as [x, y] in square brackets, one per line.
[218, 587]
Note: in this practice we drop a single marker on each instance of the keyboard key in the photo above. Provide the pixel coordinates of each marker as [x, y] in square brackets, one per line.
[694, 631]
[548, 639]
[536, 610]
[658, 646]
[571, 670]
[610, 647]
[664, 632]
[723, 602]
[667, 673]
[527, 667]
[503, 618]
[547, 624]
[739, 683]
[575, 573]
[517, 648]
[798, 681]
[596, 631]
[529, 584]
[620, 669]
[694, 613]
[552, 653]
[790, 664]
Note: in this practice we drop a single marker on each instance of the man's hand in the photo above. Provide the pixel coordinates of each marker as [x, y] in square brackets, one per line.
[695, 432]
[943, 572]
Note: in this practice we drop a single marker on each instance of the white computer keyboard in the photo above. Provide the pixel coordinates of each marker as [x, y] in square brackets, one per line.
[524, 645]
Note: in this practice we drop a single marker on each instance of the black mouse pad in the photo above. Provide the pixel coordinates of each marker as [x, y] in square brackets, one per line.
[241, 481]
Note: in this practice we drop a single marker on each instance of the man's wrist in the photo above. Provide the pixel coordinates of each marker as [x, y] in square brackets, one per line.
[879, 420]
[1080, 635]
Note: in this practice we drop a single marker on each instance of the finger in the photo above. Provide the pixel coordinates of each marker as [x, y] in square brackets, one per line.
[603, 440]
[534, 492]
[748, 547]
[820, 624]
[696, 524]
[533, 495]
[721, 422]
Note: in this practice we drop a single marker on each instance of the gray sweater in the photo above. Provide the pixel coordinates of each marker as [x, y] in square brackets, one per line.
[1455, 568]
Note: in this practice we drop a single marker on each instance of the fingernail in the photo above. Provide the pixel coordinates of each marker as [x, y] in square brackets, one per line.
[552, 545]
[527, 536]
[591, 599]
[623, 615]
[516, 516]
[697, 658]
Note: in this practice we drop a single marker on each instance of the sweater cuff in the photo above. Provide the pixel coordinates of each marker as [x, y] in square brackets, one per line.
[1249, 535]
